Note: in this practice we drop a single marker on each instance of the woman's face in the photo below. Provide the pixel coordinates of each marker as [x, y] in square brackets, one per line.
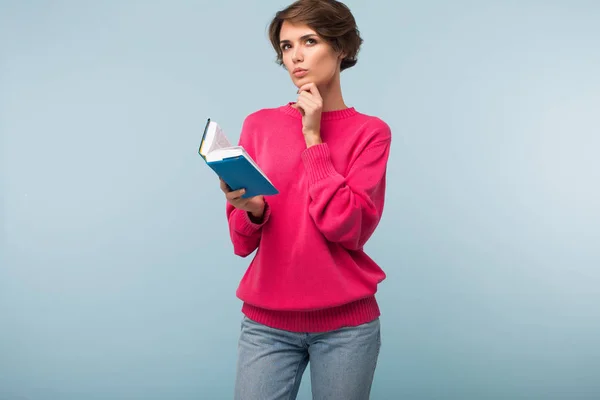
[307, 57]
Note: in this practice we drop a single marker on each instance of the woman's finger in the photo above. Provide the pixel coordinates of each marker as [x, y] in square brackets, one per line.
[233, 195]
[224, 187]
[299, 106]
[311, 88]
[308, 100]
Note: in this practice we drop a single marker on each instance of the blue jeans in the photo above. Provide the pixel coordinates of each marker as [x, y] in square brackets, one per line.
[271, 362]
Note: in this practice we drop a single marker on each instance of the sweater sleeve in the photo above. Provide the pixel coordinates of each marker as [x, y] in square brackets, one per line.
[347, 209]
[244, 233]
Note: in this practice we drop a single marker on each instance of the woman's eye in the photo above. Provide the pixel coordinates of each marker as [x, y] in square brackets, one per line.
[311, 41]
[285, 47]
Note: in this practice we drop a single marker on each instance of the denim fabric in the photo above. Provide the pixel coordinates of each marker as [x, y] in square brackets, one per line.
[271, 362]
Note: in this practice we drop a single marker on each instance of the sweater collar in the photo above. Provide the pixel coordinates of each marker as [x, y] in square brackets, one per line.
[325, 116]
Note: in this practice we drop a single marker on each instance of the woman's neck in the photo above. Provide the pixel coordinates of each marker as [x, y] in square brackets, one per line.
[332, 95]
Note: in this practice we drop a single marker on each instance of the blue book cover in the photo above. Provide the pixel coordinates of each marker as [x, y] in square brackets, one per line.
[239, 173]
[233, 164]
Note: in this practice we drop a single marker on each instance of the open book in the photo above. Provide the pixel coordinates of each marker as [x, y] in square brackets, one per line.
[232, 163]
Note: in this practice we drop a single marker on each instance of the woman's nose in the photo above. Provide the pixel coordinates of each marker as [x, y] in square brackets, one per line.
[297, 55]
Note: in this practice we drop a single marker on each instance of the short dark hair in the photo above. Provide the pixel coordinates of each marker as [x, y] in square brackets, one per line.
[331, 19]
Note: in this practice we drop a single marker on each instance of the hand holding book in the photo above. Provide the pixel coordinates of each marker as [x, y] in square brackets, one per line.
[233, 164]
[253, 205]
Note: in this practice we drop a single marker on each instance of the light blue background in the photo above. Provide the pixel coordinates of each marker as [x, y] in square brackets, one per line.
[117, 276]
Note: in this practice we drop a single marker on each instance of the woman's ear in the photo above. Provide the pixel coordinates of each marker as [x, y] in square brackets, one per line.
[341, 56]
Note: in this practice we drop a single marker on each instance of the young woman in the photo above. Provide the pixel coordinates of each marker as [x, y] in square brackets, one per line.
[308, 293]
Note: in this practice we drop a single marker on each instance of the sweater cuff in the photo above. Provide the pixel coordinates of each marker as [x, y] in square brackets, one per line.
[248, 227]
[317, 162]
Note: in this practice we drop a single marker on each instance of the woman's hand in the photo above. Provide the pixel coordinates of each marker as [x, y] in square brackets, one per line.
[254, 205]
[310, 105]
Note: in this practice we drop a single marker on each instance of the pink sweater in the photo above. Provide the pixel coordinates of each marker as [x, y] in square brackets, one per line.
[310, 272]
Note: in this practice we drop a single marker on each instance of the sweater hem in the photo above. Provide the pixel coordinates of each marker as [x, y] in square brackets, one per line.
[352, 314]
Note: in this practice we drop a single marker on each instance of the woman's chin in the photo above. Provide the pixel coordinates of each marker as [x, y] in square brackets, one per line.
[299, 82]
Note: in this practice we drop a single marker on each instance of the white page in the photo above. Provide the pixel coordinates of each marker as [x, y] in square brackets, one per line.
[219, 154]
[220, 140]
[215, 139]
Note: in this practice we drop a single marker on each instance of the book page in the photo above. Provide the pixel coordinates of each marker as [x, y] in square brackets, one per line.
[214, 139]
[227, 152]
[220, 140]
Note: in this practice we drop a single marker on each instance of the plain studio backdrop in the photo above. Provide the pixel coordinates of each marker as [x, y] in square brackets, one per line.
[117, 276]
